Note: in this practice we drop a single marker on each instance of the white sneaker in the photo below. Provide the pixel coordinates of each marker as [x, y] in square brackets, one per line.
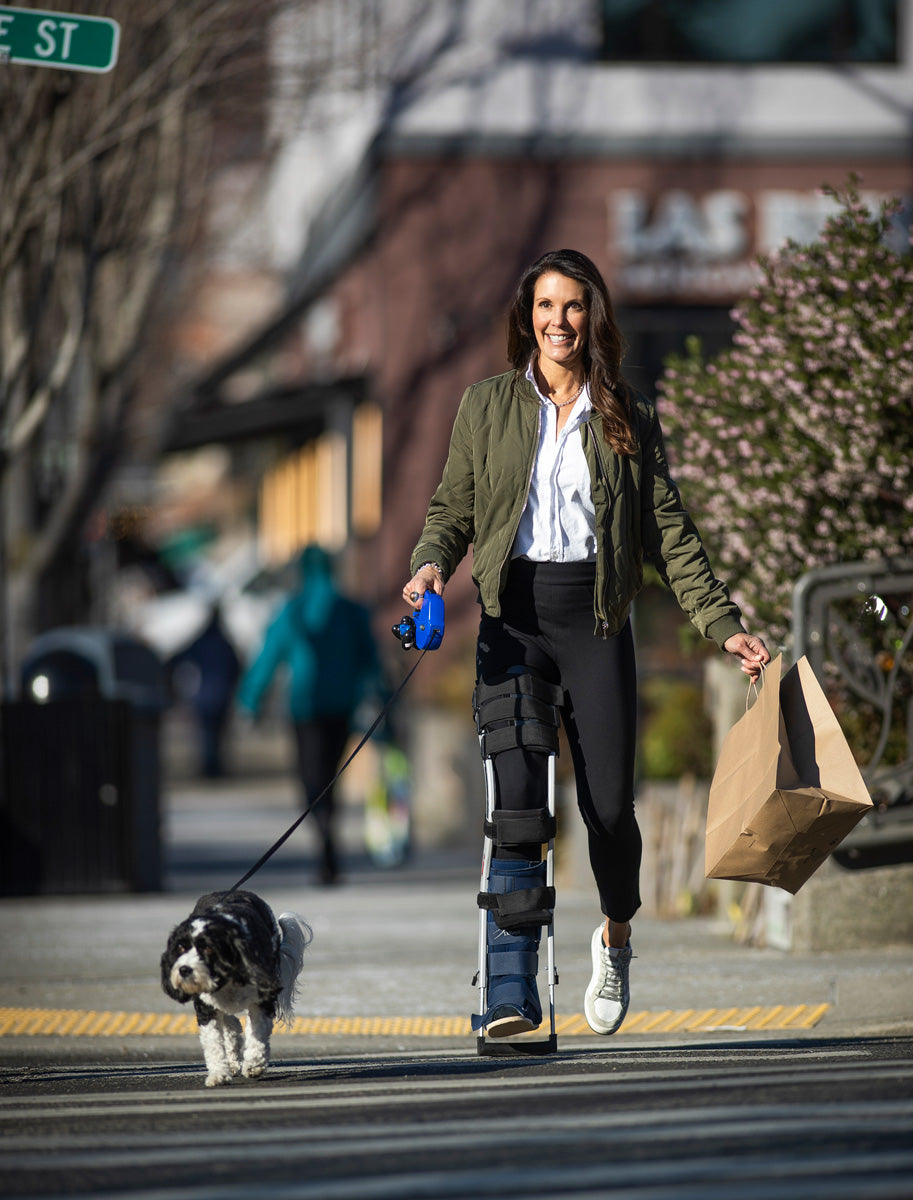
[607, 997]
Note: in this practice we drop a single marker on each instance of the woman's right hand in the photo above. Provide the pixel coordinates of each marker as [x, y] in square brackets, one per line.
[424, 579]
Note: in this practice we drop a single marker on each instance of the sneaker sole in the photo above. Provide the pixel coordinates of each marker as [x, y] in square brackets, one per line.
[595, 1024]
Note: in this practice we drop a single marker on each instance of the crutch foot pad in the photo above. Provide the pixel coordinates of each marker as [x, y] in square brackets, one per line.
[506, 1049]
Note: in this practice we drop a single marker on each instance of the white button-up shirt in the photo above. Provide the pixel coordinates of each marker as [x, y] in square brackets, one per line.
[558, 523]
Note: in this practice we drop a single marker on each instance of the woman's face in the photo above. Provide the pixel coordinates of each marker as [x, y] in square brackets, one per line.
[561, 319]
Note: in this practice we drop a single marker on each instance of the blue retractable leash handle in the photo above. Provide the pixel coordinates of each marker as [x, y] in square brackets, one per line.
[424, 629]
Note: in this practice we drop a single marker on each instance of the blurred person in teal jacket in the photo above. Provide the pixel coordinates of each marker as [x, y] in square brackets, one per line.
[324, 641]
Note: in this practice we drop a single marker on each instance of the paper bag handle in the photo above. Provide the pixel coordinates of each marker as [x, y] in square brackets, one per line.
[753, 683]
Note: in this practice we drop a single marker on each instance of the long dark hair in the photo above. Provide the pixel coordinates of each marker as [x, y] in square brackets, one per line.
[604, 349]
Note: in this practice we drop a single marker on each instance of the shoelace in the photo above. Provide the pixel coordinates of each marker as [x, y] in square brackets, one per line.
[614, 975]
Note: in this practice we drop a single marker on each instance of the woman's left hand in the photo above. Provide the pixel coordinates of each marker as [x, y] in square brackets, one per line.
[426, 579]
[750, 651]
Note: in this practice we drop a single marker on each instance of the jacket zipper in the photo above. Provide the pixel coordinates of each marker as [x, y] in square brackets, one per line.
[602, 625]
[529, 482]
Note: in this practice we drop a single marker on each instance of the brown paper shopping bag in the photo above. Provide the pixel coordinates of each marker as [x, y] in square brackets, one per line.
[786, 790]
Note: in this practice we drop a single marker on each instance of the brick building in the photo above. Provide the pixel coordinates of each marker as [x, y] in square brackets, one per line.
[671, 151]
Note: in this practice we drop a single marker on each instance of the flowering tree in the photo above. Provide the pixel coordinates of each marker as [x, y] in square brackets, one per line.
[794, 447]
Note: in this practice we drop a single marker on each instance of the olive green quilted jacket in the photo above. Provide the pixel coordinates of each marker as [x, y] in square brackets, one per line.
[639, 514]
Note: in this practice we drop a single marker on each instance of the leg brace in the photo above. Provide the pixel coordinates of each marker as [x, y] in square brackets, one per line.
[520, 711]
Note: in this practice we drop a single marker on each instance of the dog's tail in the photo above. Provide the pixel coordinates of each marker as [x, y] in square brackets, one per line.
[296, 936]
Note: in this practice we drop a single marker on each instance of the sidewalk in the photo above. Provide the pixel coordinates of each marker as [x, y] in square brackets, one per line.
[397, 945]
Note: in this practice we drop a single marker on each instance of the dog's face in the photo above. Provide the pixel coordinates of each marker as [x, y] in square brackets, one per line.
[201, 957]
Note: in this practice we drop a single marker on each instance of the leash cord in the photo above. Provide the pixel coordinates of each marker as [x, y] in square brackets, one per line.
[291, 829]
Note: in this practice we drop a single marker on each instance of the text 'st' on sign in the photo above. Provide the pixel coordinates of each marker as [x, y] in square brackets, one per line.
[52, 39]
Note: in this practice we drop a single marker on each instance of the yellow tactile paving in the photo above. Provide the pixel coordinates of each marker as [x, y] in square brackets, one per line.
[46, 1022]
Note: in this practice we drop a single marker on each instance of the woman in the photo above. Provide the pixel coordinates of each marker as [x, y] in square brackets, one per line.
[557, 475]
[324, 640]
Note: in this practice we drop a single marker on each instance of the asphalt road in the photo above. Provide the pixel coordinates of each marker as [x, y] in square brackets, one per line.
[741, 1072]
[822, 1119]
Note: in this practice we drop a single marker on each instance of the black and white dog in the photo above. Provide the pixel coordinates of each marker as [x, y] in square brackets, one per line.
[232, 956]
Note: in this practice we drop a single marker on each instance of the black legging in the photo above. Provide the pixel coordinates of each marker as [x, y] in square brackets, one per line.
[546, 626]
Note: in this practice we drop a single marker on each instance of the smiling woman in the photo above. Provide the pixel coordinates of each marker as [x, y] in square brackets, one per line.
[558, 478]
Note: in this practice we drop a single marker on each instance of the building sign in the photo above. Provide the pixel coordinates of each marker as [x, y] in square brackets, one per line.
[681, 244]
[701, 248]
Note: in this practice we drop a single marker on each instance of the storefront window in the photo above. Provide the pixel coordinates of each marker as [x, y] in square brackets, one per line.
[750, 31]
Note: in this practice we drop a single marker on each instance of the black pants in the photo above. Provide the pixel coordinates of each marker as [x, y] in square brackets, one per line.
[546, 627]
[320, 744]
[212, 731]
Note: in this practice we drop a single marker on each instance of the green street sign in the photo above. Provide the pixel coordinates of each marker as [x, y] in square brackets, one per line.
[63, 40]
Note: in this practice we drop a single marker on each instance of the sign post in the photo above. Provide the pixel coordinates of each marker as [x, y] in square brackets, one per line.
[64, 40]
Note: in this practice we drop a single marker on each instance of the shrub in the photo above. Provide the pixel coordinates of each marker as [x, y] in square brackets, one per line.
[677, 735]
[794, 447]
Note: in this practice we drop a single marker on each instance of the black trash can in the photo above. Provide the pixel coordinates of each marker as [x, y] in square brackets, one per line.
[81, 774]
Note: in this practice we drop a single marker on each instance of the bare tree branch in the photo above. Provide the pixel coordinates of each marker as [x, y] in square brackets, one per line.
[98, 175]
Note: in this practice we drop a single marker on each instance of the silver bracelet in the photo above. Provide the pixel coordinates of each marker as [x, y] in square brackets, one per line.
[435, 567]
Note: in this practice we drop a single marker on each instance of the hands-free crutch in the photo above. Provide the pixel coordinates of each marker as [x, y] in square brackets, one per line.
[518, 711]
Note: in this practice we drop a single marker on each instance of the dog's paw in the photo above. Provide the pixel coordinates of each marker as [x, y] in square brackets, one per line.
[254, 1068]
[217, 1078]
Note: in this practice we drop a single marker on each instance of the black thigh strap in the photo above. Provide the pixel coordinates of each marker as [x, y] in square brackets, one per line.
[518, 711]
[514, 708]
[518, 685]
[527, 735]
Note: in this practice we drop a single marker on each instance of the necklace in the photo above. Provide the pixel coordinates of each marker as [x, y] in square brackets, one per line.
[576, 396]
